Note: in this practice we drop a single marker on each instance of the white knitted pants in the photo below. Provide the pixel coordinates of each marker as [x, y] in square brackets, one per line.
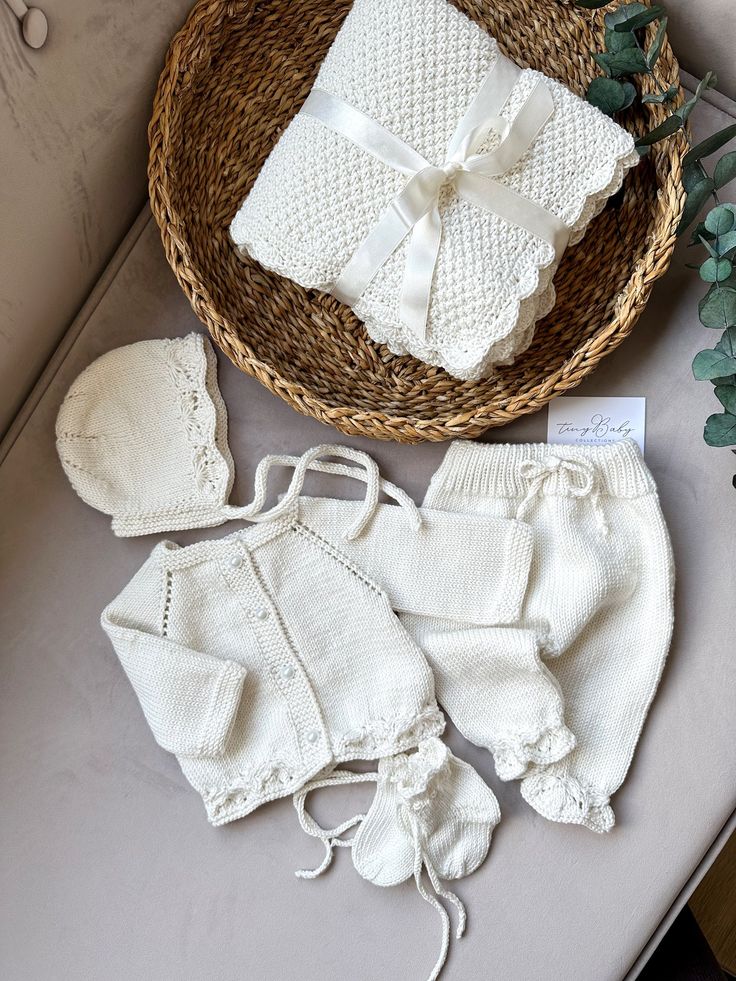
[598, 607]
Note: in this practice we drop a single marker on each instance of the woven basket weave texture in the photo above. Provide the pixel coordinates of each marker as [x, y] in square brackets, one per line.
[235, 75]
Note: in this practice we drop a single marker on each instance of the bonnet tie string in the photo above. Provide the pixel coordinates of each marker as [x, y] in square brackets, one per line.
[577, 476]
[366, 471]
[331, 837]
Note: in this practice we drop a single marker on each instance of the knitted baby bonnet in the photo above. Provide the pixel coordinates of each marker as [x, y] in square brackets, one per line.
[142, 436]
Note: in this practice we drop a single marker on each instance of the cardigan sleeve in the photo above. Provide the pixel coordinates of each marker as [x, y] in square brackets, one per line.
[189, 698]
[467, 567]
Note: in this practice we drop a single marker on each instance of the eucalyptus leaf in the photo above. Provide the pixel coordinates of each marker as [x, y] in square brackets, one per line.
[629, 94]
[606, 94]
[630, 61]
[720, 430]
[718, 309]
[708, 81]
[665, 129]
[695, 201]
[725, 170]
[655, 48]
[715, 270]
[621, 14]
[711, 248]
[726, 244]
[709, 145]
[693, 175]
[686, 108]
[615, 41]
[639, 19]
[659, 98]
[700, 232]
[602, 61]
[719, 220]
[726, 380]
[712, 364]
[726, 395]
[727, 343]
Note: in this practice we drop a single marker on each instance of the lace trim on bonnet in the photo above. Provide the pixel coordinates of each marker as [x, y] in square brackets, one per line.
[203, 414]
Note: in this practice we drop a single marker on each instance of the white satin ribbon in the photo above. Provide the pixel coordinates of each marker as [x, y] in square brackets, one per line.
[415, 210]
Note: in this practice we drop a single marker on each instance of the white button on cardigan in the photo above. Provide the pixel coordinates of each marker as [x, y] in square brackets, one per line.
[209, 668]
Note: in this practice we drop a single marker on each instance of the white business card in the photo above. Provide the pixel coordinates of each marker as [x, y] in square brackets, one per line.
[594, 421]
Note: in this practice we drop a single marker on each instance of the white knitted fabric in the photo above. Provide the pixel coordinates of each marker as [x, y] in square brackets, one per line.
[267, 656]
[431, 812]
[472, 568]
[142, 436]
[415, 67]
[263, 658]
[492, 683]
[430, 808]
[599, 605]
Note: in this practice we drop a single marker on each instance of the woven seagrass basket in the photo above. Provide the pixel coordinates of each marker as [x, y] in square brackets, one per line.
[235, 75]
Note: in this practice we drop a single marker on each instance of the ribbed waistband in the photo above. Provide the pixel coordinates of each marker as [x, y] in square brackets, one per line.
[493, 469]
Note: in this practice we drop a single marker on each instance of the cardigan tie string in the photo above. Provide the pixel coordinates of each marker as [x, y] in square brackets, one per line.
[330, 837]
[366, 471]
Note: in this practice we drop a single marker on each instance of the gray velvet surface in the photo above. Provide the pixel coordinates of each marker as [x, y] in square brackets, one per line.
[73, 148]
[73, 120]
[109, 868]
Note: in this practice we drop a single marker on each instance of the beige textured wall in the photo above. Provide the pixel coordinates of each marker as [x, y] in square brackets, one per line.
[73, 153]
[73, 119]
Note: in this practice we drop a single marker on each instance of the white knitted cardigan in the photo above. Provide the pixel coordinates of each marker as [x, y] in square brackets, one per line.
[266, 657]
[414, 67]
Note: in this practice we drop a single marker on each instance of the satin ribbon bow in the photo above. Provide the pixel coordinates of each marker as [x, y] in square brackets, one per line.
[415, 210]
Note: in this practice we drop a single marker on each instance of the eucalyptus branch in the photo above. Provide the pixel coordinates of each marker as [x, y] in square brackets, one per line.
[625, 58]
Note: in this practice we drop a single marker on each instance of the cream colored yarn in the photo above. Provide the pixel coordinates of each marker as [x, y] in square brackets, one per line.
[414, 67]
[599, 604]
[431, 812]
[142, 436]
[240, 649]
[237, 651]
[492, 683]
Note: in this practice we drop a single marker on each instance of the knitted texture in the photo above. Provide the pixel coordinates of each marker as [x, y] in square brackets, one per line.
[492, 684]
[142, 436]
[265, 657]
[468, 567]
[428, 801]
[599, 606]
[431, 812]
[415, 67]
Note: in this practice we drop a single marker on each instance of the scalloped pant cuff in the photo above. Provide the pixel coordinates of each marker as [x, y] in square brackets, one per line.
[514, 756]
[562, 798]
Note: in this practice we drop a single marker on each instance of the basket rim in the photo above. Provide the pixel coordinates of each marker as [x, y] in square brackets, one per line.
[530, 398]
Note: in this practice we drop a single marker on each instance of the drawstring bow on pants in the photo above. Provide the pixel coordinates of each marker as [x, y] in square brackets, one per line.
[574, 478]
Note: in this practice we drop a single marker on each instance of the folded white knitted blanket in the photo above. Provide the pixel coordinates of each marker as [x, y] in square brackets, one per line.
[415, 67]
